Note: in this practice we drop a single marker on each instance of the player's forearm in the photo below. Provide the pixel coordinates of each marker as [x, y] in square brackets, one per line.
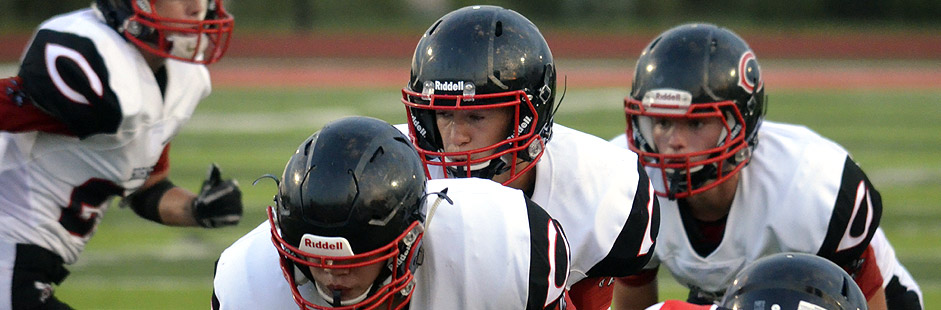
[218, 204]
[176, 207]
[634, 297]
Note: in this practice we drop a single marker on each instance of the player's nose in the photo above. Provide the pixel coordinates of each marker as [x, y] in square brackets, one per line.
[458, 134]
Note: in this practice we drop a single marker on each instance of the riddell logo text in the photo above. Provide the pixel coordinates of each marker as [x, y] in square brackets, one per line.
[418, 127]
[662, 96]
[324, 245]
[524, 125]
[449, 86]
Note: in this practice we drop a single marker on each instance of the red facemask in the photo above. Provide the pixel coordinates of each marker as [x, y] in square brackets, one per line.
[681, 175]
[196, 41]
[393, 294]
[505, 154]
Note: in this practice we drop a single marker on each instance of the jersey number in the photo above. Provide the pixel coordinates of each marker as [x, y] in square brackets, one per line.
[81, 215]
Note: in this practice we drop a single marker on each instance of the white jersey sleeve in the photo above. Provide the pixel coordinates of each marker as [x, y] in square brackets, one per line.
[248, 275]
[490, 249]
[902, 292]
[620, 140]
[602, 197]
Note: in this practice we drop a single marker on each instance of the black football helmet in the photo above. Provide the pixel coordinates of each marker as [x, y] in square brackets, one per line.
[482, 57]
[696, 71]
[794, 281]
[197, 41]
[350, 197]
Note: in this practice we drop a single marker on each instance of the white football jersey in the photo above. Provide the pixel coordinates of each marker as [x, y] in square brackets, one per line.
[477, 255]
[799, 193]
[54, 189]
[602, 199]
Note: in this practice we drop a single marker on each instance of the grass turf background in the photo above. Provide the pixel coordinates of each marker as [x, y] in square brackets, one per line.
[135, 264]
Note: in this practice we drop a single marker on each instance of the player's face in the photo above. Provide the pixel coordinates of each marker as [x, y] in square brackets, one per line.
[181, 9]
[351, 282]
[686, 135]
[463, 131]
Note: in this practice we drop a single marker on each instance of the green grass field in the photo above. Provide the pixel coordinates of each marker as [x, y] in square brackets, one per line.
[135, 264]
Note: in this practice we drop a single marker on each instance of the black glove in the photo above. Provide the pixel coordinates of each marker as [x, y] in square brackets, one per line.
[219, 202]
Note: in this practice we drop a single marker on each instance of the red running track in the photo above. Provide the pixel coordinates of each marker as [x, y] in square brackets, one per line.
[325, 73]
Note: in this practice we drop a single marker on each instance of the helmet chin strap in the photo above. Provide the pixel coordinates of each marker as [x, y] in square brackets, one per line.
[334, 296]
[188, 46]
[676, 180]
[485, 170]
[699, 175]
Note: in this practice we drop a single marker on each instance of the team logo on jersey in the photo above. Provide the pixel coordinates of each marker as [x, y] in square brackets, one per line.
[141, 173]
[749, 77]
[45, 290]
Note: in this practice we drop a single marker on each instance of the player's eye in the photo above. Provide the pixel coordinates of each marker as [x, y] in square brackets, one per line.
[444, 114]
[662, 122]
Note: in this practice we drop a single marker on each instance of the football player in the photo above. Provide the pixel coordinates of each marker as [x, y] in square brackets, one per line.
[99, 95]
[356, 226]
[785, 281]
[695, 117]
[480, 103]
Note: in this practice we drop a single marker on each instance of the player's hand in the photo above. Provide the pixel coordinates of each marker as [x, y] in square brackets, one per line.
[219, 202]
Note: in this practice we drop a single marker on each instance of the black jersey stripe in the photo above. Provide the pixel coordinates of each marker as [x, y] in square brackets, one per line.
[844, 225]
[625, 258]
[540, 268]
